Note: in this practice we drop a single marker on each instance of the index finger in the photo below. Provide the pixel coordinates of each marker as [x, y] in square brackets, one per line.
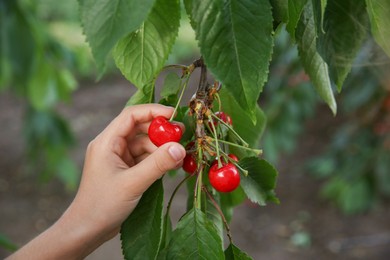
[123, 125]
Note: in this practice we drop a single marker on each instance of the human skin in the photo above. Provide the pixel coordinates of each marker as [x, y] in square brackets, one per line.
[120, 164]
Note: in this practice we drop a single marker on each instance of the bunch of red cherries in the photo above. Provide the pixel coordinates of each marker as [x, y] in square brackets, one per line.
[223, 174]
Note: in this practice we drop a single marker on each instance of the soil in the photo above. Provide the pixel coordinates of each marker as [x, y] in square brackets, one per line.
[303, 226]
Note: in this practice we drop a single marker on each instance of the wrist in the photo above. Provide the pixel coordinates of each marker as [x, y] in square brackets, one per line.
[80, 234]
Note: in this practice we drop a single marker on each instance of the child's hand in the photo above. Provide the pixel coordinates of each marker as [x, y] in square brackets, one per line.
[120, 164]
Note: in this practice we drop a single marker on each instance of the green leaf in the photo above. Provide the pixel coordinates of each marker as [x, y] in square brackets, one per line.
[352, 196]
[378, 11]
[5, 70]
[261, 180]
[66, 83]
[188, 7]
[242, 123]
[171, 85]
[356, 197]
[213, 214]
[68, 172]
[141, 231]
[233, 198]
[7, 244]
[166, 232]
[170, 89]
[142, 54]
[230, 200]
[319, 14]
[41, 87]
[17, 43]
[236, 41]
[105, 22]
[280, 10]
[295, 8]
[143, 95]
[195, 238]
[189, 123]
[190, 183]
[311, 60]
[345, 29]
[234, 253]
[49, 84]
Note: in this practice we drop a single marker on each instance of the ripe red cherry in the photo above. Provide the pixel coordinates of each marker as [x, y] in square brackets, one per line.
[162, 131]
[189, 164]
[190, 146]
[224, 117]
[233, 157]
[224, 179]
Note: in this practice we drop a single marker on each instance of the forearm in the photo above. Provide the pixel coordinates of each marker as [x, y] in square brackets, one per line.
[68, 238]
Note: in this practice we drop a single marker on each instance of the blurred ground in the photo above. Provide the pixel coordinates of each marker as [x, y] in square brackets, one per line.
[301, 227]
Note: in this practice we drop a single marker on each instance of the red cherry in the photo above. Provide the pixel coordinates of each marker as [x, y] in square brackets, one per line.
[221, 115]
[190, 145]
[233, 157]
[162, 131]
[224, 179]
[189, 164]
[224, 117]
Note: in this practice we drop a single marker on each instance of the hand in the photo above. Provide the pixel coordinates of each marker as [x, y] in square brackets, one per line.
[120, 164]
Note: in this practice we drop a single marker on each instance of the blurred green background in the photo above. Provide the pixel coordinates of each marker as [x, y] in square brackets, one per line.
[334, 172]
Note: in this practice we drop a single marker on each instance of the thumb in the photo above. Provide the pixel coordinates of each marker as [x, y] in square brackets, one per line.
[165, 158]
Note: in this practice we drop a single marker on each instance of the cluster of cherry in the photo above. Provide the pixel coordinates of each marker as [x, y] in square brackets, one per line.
[223, 173]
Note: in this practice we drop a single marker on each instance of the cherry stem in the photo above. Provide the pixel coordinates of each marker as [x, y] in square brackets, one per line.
[220, 213]
[210, 129]
[203, 75]
[231, 129]
[186, 69]
[256, 151]
[216, 140]
[245, 172]
[198, 184]
[176, 66]
[175, 191]
[180, 97]
[219, 101]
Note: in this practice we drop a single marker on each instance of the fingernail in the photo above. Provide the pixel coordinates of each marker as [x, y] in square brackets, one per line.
[177, 152]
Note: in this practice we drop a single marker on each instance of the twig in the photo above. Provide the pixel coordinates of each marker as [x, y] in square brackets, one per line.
[220, 213]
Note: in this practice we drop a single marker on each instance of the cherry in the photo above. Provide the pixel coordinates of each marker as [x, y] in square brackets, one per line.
[190, 146]
[189, 164]
[224, 179]
[162, 131]
[233, 157]
[224, 117]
